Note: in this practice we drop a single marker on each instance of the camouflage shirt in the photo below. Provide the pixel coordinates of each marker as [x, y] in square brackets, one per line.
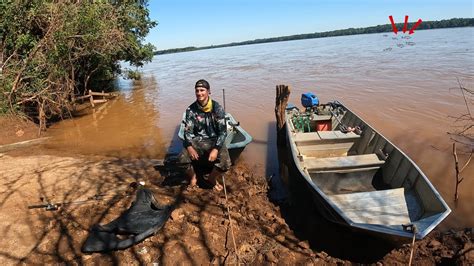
[202, 125]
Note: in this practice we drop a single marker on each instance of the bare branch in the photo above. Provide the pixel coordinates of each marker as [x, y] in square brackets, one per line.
[464, 97]
[467, 162]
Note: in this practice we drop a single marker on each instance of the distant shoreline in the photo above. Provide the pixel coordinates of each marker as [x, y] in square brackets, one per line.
[425, 25]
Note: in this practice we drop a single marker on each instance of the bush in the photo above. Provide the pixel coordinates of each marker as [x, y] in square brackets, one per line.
[50, 52]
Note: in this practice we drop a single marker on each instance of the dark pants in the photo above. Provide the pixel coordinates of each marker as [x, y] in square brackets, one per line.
[204, 148]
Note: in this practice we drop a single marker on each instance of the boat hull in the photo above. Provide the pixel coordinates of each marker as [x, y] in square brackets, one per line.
[235, 154]
[397, 173]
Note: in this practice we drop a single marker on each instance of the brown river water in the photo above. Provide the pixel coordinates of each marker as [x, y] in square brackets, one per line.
[405, 88]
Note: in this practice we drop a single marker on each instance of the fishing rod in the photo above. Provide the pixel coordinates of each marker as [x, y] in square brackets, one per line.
[223, 98]
[224, 186]
[56, 206]
[225, 112]
[344, 129]
[335, 106]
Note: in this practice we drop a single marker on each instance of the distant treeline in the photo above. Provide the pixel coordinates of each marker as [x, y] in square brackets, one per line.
[448, 23]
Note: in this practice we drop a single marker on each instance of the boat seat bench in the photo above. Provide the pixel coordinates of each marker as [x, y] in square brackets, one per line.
[342, 163]
[324, 136]
[387, 207]
[325, 150]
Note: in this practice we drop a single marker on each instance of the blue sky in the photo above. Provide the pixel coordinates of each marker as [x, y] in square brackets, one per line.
[197, 23]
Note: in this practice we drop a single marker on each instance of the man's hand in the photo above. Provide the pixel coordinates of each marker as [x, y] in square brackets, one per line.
[192, 153]
[213, 155]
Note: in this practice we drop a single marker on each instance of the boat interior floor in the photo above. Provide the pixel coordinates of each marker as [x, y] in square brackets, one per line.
[387, 207]
[348, 189]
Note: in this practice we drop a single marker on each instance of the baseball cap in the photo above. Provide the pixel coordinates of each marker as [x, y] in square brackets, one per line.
[202, 83]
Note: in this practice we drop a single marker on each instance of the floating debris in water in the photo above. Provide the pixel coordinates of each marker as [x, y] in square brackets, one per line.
[387, 49]
[400, 45]
[410, 43]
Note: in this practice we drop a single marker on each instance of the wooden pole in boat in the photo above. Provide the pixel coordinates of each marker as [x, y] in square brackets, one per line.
[281, 100]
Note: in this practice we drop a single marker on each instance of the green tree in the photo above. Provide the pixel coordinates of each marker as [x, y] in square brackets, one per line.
[51, 51]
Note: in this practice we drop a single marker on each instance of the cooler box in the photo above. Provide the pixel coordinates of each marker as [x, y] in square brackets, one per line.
[324, 125]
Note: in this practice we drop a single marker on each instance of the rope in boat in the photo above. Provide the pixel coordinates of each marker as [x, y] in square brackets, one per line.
[230, 221]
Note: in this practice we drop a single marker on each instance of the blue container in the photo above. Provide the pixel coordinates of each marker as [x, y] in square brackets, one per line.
[309, 99]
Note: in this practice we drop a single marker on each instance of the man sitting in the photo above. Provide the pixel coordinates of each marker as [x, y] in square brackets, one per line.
[204, 136]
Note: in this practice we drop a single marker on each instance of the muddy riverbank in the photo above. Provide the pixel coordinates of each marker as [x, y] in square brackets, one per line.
[14, 129]
[198, 231]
